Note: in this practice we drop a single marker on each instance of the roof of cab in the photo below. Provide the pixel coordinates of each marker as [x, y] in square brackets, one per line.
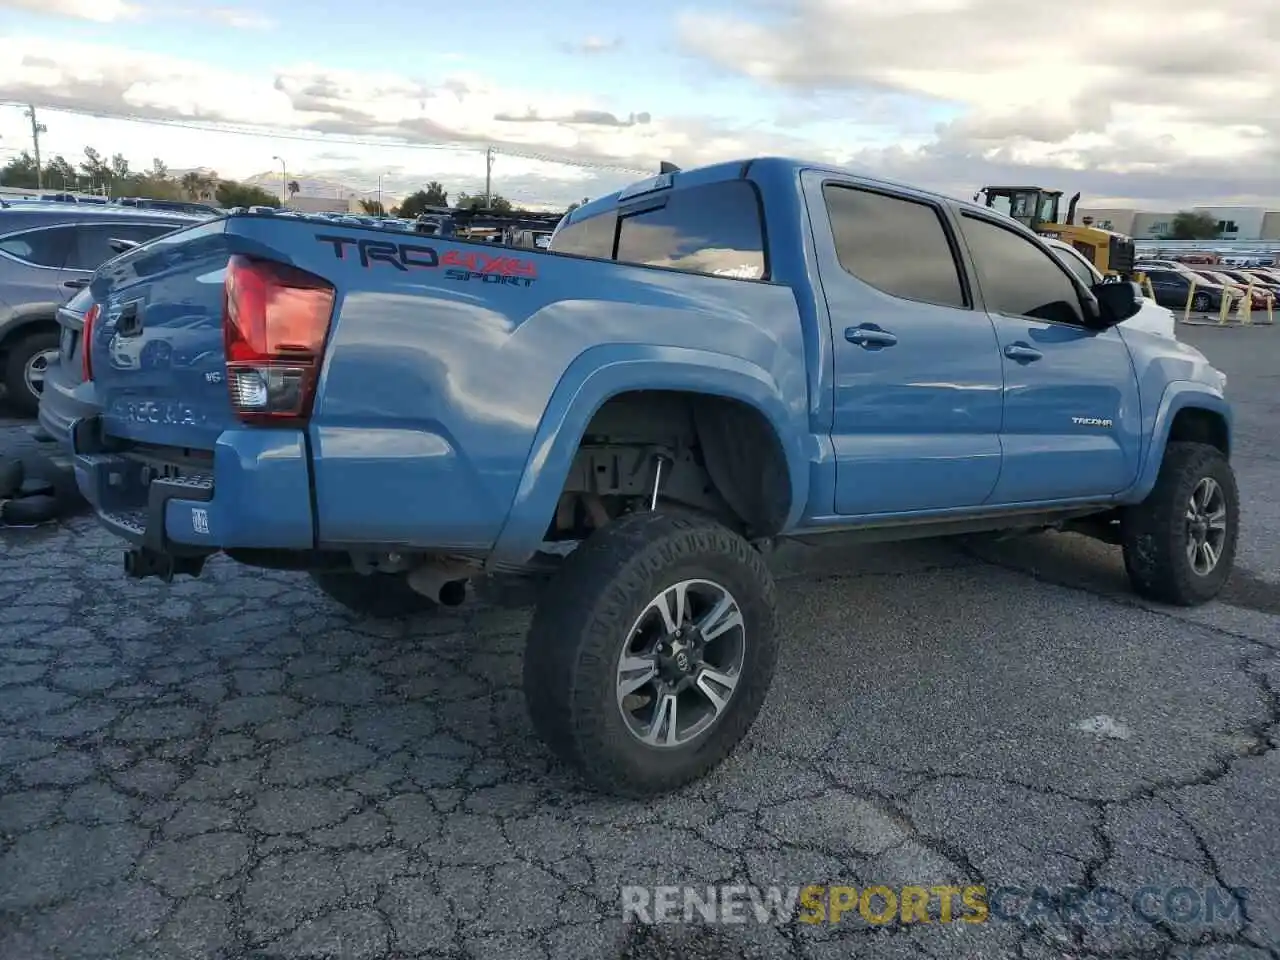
[737, 168]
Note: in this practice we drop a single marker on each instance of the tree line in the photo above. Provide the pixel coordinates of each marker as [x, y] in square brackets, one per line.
[115, 178]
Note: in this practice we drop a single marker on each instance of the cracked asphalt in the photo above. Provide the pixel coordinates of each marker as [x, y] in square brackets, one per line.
[235, 767]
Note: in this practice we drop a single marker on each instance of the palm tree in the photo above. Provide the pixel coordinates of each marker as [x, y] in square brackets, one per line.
[192, 183]
[293, 188]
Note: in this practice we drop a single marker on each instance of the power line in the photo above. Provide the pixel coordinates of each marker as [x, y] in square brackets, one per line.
[250, 130]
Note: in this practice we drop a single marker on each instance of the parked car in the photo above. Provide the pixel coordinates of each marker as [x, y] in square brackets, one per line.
[1152, 317]
[703, 363]
[1238, 290]
[1173, 287]
[191, 207]
[1247, 279]
[47, 252]
[65, 395]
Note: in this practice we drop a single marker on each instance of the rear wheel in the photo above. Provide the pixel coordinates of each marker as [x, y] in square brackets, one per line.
[1180, 543]
[377, 595]
[29, 359]
[651, 652]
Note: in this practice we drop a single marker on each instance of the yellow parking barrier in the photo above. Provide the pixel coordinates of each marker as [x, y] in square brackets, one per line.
[1191, 295]
[1225, 312]
[1244, 309]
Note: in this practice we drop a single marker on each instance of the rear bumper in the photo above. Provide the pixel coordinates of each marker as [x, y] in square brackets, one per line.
[256, 496]
[63, 401]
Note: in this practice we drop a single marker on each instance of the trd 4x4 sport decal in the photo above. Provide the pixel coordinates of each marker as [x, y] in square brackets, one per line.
[463, 266]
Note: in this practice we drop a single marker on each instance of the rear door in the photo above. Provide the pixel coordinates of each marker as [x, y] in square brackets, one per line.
[33, 263]
[917, 370]
[91, 246]
[1072, 422]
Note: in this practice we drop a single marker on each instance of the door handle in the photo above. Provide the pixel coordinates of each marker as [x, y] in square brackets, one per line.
[129, 323]
[75, 284]
[1022, 353]
[869, 337]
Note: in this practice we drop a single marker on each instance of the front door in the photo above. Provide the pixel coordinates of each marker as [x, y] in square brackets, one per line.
[917, 373]
[1072, 423]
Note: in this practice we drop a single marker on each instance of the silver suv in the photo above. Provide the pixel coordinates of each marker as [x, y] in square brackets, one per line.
[48, 251]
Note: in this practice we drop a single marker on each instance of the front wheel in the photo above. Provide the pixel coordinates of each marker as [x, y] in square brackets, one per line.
[1180, 543]
[1200, 303]
[651, 652]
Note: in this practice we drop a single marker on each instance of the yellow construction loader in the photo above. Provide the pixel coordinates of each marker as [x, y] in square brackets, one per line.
[1037, 208]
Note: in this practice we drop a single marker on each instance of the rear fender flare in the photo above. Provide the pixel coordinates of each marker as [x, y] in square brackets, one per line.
[1178, 395]
[604, 372]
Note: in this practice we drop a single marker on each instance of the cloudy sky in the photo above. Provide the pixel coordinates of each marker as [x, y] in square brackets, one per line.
[1154, 106]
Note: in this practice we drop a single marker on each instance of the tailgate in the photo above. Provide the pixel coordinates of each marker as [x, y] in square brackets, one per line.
[156, 349]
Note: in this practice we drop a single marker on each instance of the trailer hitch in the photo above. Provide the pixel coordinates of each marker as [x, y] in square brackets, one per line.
[141, 563]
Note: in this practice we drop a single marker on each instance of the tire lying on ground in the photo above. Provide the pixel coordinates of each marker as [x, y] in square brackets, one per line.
[24, 511]
[11, 475]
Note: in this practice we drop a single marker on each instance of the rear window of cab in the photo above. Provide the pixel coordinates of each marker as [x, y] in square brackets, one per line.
[712, 229]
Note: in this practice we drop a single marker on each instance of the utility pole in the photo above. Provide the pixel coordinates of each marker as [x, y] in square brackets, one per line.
[37, 128]
[488, 178]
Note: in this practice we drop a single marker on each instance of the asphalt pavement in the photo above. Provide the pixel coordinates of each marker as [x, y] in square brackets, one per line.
[235, 767]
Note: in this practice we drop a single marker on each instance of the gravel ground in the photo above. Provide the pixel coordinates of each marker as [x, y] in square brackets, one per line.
[235, 767]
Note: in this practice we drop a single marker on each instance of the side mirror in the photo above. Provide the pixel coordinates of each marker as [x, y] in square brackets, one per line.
[1117, 302]
[122, 246]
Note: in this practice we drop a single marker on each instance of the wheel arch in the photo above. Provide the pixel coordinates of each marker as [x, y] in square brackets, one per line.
[742, 397]
[25, 320]
[1187, 413]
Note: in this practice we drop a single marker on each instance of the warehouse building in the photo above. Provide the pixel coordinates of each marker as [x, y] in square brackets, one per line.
[1234, 223]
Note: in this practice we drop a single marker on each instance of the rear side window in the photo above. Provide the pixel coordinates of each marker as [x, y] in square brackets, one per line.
[93, 243]
[592, 237]
[894, 244]
[714, 229]
[45, 248]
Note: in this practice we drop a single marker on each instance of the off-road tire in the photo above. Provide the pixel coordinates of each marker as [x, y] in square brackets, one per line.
[585, 615]
[1154, 533]
[381, 596]
[15, 384]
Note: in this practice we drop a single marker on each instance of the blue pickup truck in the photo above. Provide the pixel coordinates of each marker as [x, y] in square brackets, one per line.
[699, 365]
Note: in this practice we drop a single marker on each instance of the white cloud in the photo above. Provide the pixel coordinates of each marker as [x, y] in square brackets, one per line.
[1184, 93]
[98, 11]
[240, 19]
[1179, 107]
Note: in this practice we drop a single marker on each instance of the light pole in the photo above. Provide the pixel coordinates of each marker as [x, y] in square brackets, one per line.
[379, 194]
[284, 181]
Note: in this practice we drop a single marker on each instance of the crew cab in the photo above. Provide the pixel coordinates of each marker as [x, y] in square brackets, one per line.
[700, 365]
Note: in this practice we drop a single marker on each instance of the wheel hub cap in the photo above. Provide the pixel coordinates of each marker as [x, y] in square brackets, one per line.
[680, 664]
[1206, 526]
[36, 369]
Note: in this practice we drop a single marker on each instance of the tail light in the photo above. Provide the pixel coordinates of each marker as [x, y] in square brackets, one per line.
[274, 325]
[86, 342]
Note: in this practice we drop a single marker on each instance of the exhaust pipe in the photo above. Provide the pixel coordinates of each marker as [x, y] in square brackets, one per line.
[441, 583]
[453, 593]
